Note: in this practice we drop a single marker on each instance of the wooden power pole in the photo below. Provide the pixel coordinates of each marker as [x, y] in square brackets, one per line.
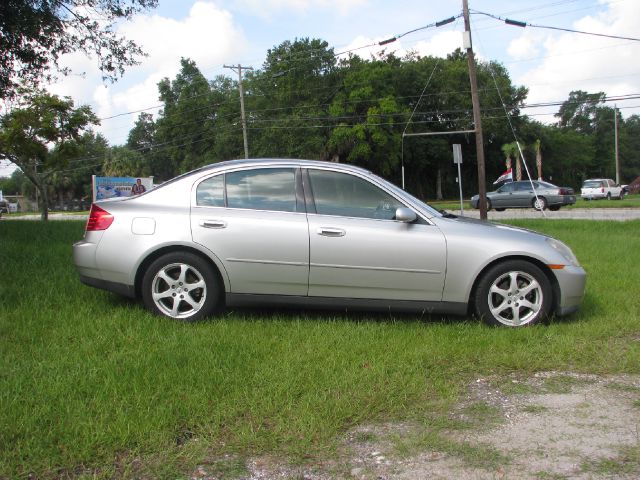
[238, 68]
[482, 190]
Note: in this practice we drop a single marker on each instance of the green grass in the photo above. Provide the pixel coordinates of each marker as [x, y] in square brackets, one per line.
[91, 384]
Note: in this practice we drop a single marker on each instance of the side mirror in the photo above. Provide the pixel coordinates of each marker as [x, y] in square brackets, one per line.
[405, 215]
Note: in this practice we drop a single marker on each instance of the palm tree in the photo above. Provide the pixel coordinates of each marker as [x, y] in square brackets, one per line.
[510, 151]
[536, 146]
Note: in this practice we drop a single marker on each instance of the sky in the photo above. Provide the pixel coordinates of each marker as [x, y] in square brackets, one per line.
[550, 63]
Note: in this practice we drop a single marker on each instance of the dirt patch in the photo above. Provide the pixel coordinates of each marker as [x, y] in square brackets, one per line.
[549, 426]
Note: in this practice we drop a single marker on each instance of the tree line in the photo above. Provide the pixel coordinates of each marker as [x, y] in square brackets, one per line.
[307, 102]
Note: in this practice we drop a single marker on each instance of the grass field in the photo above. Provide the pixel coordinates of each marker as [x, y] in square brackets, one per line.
[92, 385]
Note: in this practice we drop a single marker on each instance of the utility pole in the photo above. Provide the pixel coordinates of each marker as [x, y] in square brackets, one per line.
[615, 133]
[238, 68]
[482, 190]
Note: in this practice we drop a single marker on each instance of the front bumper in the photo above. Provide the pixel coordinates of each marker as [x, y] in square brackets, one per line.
[572, 283]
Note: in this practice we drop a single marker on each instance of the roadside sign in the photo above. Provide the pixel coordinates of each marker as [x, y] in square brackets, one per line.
[457, 160]
[457, 153]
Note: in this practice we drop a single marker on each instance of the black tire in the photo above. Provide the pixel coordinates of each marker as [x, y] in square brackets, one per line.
[555, 208]
[513, 293]
[488, 204]
[539, 203]
[186, 287]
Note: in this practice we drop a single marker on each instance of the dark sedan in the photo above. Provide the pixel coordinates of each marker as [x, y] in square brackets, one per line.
[521, 195]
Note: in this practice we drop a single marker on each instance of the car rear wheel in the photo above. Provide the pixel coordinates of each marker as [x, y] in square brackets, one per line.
[182, 286]
[513, 293]
[539, 203]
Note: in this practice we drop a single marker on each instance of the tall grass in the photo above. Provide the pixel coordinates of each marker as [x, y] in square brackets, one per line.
[91, 383]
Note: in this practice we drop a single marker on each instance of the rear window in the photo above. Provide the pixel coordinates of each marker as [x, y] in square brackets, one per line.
[592, 184]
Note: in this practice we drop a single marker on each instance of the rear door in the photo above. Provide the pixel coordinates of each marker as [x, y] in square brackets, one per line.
[254, 221]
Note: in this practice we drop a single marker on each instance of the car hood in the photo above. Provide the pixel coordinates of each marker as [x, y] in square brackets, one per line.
[486, 227]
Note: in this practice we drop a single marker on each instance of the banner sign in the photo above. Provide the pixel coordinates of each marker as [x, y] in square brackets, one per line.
[114, 187]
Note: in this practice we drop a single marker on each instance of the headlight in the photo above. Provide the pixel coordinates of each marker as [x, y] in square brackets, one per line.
[563, 250]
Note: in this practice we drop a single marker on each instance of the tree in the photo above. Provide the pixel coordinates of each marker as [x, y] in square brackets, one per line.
[287, 99]
[579, 111]
[27, 133]
[537, 145]
[184, 131]
[34, 34]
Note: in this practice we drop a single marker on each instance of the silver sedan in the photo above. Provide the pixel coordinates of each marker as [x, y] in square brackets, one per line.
[309, 233]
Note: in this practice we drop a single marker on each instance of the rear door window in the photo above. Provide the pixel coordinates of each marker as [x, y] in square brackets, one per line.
[262, 189]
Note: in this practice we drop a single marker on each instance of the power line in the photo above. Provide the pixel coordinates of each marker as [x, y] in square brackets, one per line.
[518, 23]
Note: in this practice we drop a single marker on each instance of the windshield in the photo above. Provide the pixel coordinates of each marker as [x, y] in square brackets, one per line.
[592, 184]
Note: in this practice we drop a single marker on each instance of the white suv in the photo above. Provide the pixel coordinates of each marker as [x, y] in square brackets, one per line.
[601, 188]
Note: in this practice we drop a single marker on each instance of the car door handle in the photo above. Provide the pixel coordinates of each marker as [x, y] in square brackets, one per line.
[331, 232]
[213, 223]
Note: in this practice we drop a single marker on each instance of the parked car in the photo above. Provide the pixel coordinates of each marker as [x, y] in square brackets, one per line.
[521, 194]
[598, 188]
[4, 206]
[317, 234]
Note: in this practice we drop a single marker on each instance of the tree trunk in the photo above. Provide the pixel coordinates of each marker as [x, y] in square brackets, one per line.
[539, 163]
[44, 216]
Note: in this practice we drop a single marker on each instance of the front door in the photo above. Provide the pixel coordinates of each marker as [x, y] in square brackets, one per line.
[358, 250]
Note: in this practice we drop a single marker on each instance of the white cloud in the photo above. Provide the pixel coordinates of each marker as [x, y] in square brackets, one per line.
[440, 45]
[581, 62]
[208, 36]
[525, 46]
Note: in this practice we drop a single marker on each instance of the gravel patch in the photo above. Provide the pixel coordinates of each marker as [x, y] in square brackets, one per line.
[553, 425]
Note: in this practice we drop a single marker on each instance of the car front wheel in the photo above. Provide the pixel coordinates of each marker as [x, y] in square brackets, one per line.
[182, 286]
[513, 293]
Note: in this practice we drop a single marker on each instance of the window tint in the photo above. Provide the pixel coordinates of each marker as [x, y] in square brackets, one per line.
[262, 189]
[350, 196]
[524, 187]
[210, 193]
[506, 188]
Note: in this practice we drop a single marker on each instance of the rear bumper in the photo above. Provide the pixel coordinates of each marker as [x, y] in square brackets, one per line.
[84, 258]
[119, 288]
[593, 196]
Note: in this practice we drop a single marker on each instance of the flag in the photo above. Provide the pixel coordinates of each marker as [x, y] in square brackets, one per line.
[506, 176]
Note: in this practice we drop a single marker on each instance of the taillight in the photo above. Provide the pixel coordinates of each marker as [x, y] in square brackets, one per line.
[602, 190]
[99, 219]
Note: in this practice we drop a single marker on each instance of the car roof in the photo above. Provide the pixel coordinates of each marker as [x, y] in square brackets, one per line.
[256, 162]
[282, 161]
